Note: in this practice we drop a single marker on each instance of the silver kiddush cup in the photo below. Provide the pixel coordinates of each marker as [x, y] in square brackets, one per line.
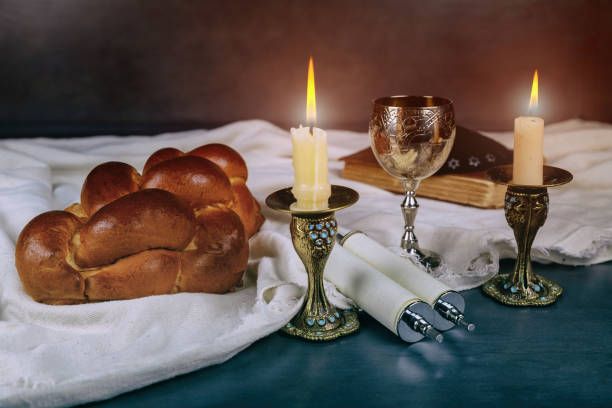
[411, 137]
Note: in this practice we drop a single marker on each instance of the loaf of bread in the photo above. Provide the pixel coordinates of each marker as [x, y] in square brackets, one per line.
[181, 226]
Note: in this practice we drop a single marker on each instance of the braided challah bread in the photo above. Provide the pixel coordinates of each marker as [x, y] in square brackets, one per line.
[181, 226]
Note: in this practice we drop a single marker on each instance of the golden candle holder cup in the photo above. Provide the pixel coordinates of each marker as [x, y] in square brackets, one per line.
[526, 209]
[313, 235]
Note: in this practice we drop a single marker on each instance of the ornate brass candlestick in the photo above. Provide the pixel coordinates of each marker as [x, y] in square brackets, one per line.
[313, 235]
[526, 208]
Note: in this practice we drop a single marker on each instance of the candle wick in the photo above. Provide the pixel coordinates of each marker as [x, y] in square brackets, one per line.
[311, 130]
[532, 111]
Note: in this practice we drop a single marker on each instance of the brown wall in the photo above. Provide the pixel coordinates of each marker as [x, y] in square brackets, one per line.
[92, 66]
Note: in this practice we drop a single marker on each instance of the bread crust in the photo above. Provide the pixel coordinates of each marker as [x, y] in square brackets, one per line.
[225, 157]
[41, 256]
[198, 181]
[181, 227]
[106, 183]
[133, 224]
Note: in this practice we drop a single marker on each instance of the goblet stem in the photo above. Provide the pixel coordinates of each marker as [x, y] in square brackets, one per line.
[410, 206]
[410, 244]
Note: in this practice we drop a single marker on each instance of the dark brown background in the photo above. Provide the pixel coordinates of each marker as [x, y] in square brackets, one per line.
[70, 67]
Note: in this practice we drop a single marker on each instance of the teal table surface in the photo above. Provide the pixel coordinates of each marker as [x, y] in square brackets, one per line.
[560, 355]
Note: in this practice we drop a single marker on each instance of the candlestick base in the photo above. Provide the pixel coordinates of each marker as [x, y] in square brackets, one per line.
[313, 234]
[309, 326]
[526, 209]
[539, 291]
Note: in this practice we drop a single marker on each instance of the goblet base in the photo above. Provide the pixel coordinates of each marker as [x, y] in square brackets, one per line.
[429, 260]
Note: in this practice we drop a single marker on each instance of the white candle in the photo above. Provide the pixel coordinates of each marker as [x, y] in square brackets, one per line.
[528, 163]
[310, 186]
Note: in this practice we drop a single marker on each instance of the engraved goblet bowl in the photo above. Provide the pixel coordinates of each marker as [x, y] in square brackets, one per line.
[411, 137]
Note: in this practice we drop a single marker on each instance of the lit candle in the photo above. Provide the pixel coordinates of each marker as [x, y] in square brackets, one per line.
[310, 186]
[528, 144]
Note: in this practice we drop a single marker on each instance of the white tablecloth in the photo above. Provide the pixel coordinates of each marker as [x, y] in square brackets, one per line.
[59, 355]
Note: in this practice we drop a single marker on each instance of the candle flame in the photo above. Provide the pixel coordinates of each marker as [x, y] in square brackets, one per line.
[311, 102]
[533, 100]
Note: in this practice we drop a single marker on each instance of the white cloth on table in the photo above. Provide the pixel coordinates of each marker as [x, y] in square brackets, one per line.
[60, 355]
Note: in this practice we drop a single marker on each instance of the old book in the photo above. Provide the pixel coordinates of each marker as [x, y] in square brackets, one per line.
[471, 188]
